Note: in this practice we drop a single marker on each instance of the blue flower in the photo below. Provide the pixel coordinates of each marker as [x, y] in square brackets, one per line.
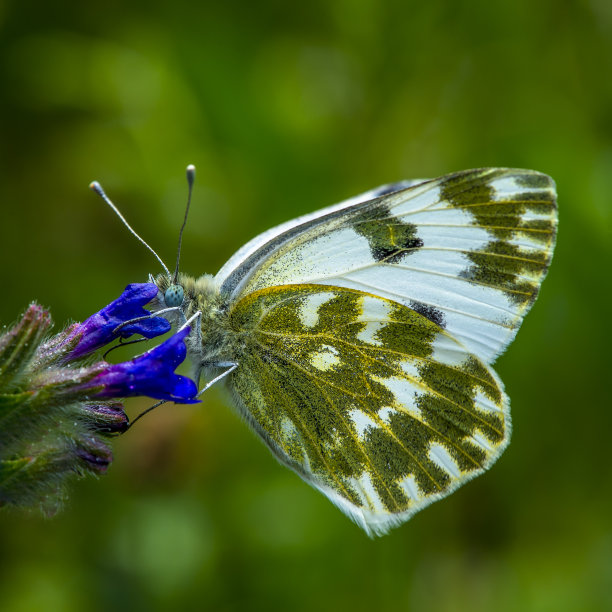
[100, 328]
[150, 374]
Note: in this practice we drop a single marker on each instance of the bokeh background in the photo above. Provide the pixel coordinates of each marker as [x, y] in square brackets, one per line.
[285, 108]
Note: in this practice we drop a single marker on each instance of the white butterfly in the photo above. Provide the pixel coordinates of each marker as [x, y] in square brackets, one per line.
[357, 341]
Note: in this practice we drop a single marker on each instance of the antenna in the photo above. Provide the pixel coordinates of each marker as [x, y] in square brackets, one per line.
[95, 186]
[190, 179]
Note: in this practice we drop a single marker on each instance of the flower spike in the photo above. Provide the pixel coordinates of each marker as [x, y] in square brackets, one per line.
[57, 412]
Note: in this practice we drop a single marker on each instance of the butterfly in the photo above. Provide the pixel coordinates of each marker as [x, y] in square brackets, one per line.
[357, 341]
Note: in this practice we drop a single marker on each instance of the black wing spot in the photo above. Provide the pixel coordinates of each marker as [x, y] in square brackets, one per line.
[389, 238]
[429, 312]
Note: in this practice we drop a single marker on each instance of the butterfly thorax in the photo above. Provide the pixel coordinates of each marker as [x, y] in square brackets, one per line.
[202, 295]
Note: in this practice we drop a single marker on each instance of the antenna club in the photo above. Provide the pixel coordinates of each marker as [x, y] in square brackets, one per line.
[95, 186]
[191, 171]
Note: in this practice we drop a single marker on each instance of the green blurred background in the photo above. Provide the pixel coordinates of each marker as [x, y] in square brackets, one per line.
[285, 108]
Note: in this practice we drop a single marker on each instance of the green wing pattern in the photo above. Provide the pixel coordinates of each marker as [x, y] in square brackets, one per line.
[368, 400]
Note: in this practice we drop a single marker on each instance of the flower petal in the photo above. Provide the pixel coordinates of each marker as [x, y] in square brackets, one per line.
[99, 329]
[151, 374]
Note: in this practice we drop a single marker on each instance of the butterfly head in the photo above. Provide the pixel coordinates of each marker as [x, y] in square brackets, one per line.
[185, 295]
[174, 295]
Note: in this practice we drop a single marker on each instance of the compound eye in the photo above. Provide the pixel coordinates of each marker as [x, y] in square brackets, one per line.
[174, 296]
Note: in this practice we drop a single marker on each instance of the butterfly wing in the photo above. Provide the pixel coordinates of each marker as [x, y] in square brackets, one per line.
[368, 400]
[468, 251]
[255, 249]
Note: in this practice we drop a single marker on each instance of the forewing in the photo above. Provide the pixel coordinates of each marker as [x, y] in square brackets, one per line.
[368, 400]
[468, 251]
[255, 250]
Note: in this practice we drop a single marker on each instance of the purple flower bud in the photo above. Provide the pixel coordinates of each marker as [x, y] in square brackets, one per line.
[106, 418]
[93, 453]
[150, 374]
[100, 328]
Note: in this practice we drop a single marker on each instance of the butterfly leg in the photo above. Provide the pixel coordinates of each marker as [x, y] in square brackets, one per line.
[197, 328]
[230, 367]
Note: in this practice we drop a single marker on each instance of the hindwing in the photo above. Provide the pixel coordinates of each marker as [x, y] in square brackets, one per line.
[370, 401]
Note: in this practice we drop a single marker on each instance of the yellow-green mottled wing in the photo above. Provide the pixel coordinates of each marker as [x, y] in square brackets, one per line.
[369, 401]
